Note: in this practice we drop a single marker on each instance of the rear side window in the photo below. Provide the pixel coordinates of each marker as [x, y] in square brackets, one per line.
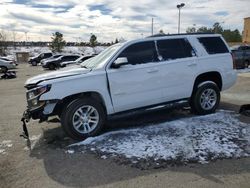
[47, 54]
[174, 48]
[143, 52]
[213, 45]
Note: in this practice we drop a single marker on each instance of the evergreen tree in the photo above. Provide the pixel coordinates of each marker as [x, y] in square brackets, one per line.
[58, 42]
[93, 40]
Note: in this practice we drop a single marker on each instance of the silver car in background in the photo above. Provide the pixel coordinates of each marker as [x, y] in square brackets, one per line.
[6, 65]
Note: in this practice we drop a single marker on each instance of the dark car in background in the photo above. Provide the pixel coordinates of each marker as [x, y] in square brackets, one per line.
[37, 59]
[55, 56]
[52, 64]
[77, 61]
[241, 54]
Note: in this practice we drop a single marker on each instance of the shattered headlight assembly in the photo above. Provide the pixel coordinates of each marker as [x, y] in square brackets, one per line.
[34, 95]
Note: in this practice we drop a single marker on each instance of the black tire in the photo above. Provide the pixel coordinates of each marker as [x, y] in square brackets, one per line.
[197, 99]
[246, 64]
[3, 69]
[52, 66]
[69, 113]
[34, 63]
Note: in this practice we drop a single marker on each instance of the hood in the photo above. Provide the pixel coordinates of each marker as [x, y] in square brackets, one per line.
[32, 58]
[65, 72]
[50, 60]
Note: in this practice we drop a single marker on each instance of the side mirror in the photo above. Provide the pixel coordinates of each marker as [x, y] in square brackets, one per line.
[120, 62]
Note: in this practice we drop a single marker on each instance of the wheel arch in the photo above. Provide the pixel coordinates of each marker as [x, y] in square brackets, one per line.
[213, 76]
[69, 99]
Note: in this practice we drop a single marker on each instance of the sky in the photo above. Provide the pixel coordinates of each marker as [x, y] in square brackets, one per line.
[111, 19]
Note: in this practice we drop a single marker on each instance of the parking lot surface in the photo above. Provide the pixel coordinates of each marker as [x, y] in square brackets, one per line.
[51, 163]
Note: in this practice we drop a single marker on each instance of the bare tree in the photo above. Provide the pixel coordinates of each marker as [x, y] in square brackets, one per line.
[3, 41]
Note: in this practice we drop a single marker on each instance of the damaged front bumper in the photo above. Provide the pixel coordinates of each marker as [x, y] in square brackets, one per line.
[25, 119]
[27, 115]
[42, 113]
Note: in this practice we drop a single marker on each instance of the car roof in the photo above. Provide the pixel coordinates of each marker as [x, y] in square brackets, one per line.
[168, 36]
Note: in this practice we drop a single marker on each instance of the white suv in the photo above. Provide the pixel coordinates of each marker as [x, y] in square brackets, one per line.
[130, 76]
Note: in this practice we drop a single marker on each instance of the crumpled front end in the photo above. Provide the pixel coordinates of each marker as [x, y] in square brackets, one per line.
[36, 108]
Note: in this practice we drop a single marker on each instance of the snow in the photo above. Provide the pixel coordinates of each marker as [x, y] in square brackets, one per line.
[34, 139]
[198, 138]
[34, 51]
[243, 70]
[4, 145]
[70, 151]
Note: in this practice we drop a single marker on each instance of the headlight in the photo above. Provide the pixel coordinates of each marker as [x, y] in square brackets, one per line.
[36, 92]
[34, 95]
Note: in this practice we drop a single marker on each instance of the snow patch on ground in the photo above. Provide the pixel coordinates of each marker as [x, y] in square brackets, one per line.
[34, 139]
[195, 139]
[4, 145]
[70, 151]
[243, 70]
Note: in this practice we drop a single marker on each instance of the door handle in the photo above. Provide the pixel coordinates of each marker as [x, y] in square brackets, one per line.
[192, 64]
[152, 70]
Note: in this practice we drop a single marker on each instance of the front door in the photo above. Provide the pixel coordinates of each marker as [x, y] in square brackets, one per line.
[137, 84]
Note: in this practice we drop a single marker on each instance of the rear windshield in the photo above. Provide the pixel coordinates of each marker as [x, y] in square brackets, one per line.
[213, 45]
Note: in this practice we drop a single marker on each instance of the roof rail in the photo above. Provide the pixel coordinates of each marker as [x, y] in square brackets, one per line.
[176, 34]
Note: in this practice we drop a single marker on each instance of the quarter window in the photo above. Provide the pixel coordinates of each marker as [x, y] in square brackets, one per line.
[143, 52]
[171, 49]
[213, 45]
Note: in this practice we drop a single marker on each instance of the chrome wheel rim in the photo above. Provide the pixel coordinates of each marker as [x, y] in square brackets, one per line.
[208, 99]
[85, 119]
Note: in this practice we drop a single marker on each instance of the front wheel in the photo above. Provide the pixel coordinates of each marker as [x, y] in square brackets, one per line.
[205, 99]
[34, 63]
[246, 63]
[83, 118]
[3, 69]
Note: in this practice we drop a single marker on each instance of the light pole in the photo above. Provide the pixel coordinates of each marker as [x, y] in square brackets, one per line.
[152, 27]
[179, 6]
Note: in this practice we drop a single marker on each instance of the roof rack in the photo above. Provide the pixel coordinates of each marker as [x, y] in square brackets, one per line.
[176, 34]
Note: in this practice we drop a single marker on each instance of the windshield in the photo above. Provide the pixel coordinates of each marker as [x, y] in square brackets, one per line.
[100, 59]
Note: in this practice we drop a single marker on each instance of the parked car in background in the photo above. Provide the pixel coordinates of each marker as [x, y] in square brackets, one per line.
[37, 59]
[55, 56]
[6, 65]
[9, 60]
[134, 75]
[241, 54]
[78, 61]
[52, 64]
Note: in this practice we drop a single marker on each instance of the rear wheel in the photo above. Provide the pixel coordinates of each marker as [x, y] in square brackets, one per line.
[52, 66]
[205, 99]
[3, 69]
[83, 118]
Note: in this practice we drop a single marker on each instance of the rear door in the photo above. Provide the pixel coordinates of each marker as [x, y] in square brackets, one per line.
[137, 84]
[178, 68]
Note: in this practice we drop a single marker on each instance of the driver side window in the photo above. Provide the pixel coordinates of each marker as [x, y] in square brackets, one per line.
[140, 53]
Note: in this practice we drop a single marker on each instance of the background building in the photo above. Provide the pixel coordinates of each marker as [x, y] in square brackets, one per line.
[246, 31]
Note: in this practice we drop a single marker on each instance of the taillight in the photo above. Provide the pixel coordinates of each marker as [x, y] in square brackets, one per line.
[234, 64]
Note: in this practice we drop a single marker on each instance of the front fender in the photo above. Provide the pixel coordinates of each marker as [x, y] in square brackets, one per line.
[64, 87]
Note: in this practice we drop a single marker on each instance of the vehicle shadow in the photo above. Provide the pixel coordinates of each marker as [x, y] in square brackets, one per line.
[87, 170]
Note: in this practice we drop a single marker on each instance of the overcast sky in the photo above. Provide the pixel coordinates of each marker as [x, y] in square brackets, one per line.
[110, 19]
